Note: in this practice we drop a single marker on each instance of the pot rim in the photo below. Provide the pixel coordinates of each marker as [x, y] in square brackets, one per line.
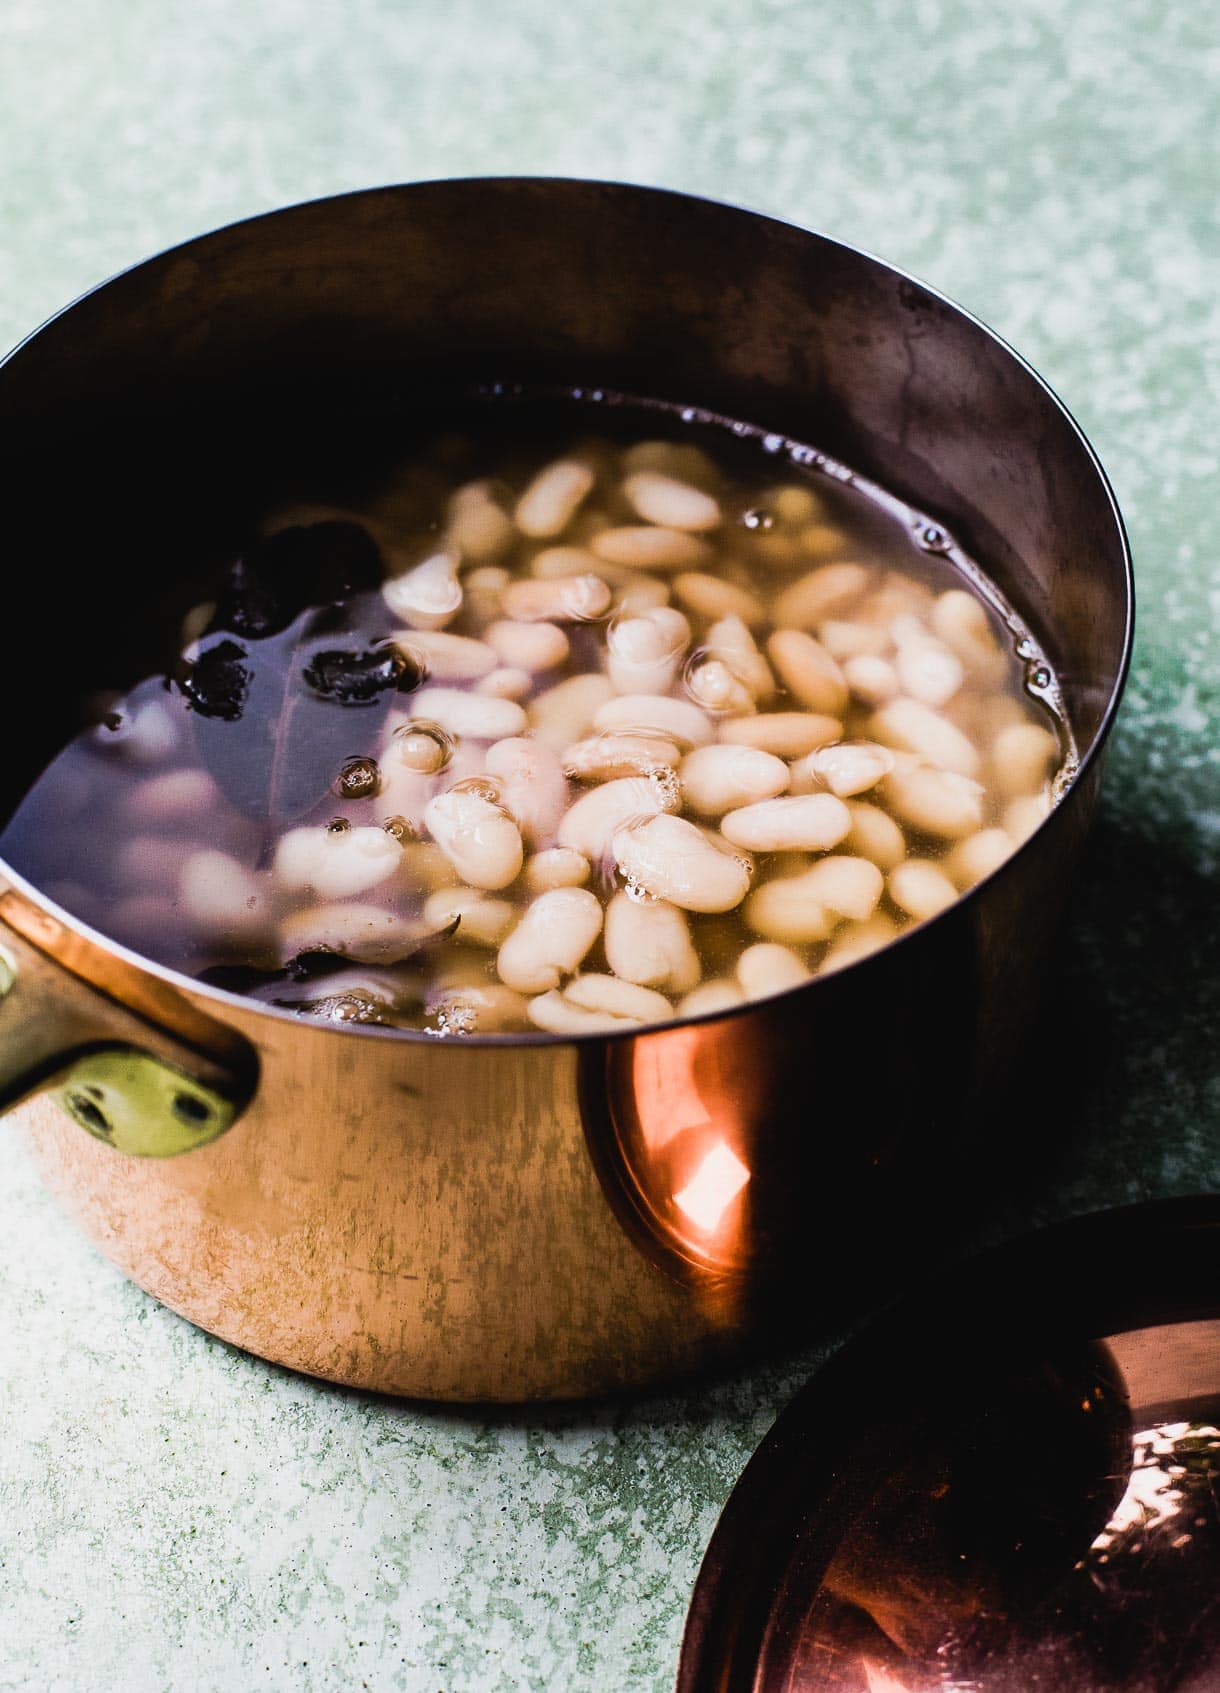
[223, 998]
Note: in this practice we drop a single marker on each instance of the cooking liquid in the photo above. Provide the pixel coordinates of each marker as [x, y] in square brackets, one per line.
[162, 825]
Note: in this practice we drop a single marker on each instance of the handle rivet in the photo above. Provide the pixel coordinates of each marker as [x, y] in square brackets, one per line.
[87, 1111]
[190, 1109]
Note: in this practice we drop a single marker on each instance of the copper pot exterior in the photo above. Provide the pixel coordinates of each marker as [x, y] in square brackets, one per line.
[533, 1218]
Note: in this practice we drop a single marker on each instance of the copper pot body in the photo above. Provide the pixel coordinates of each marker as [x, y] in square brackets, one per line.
[507, 1219]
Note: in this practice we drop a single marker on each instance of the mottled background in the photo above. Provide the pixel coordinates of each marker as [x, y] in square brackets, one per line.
[175, 1515]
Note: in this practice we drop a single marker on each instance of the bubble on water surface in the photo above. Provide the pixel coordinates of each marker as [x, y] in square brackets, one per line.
[360, 778]
[932, 538]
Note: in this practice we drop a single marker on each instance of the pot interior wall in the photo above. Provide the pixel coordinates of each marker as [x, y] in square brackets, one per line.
[146, 426]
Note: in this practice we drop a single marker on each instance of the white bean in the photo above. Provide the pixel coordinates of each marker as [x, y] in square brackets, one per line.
[1024, 815]
[914, 727]
[527, 646]
[805, 907]
[794, 504]
[404, 792]
[921, 888]
[428, 596]
[483, 921]
[557, 1015]
[552, 499]
[648, 941]
[478, 529]
[850, 767]
[475, 715]
[368, 933]
[565, 713]
[729, 639]
[672, 504]
[417, 745]
[655, 714]
[959, 617]
[713, 996]
[484, 586]
[645, 651]
[556, 867]
[821, 593]
[336, 863]
[551, 939]
[858, 942]
[673, 860]
[789, 908]
[768, 968]
[847, 885]
[150, 861]
[589, 825]
[871, 679]
[680, 459]
[620, 753]
[962, 623]
[642, 547]
[713, 597]
[550, 562]
[506, 684]
[874, 834]
[642, 592]
[597, 992]
[533, 788]
[808, 671]
[977, 856]
[564, 599]
[449, 658]
[720, 778]
[425, 867]
[929, 672]
[793, 823]
[711, 684]
[222, 896]
[936, 802]
[482, 1007]
[898, 596]
[479, 839]
[144, 733]
[1021, 757]
[349, 994]
[174, 797]
[844, 640]
[786, 734]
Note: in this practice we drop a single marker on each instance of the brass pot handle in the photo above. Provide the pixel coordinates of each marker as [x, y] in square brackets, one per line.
[127, 1078]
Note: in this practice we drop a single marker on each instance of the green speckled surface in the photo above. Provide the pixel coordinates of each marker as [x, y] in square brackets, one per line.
[175, 1515]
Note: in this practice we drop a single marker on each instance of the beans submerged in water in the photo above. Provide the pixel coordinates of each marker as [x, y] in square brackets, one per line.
[629, 730]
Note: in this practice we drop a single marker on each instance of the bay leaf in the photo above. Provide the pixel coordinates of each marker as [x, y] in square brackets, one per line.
[280, 576]
[294, 676]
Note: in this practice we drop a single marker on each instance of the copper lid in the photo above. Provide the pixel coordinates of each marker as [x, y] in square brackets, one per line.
[1008, 1484]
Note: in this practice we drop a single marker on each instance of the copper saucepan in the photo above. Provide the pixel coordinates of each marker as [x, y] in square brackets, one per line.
[496, 1219]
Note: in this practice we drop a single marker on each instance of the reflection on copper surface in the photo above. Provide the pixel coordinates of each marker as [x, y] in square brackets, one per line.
[1137, 1612]
[879, 1680]
[713, 1188]
[664, 1073]
[685, 1116]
